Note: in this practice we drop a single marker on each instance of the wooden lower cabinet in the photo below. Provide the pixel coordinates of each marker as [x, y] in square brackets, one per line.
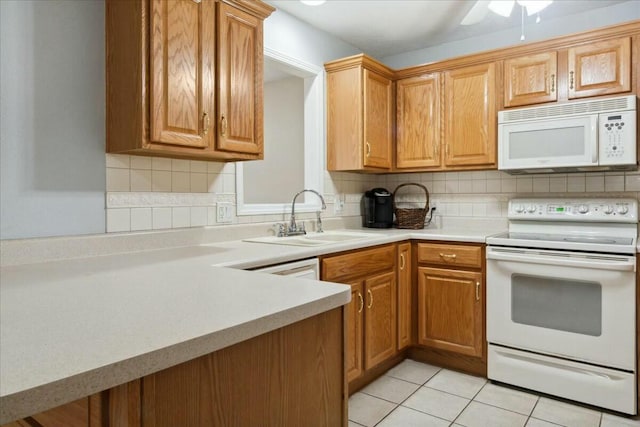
[450, 305]
[450, 310]
[404, 295]
[380, 319]
[372, 313]
[292, 376]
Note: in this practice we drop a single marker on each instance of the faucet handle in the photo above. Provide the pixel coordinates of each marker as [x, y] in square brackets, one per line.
[279, 229]
[302, 229]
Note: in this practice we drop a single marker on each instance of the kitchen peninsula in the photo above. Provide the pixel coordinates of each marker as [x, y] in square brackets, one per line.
[110, 326]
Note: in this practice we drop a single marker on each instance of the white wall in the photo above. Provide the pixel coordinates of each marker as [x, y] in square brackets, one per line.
[594, 18]
[281, 174]
[51, 118]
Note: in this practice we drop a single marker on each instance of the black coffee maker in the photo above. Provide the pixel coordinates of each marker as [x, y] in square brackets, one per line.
[377, 208]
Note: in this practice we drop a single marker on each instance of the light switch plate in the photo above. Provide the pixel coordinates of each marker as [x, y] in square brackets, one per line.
[338, 204]
[223, 212]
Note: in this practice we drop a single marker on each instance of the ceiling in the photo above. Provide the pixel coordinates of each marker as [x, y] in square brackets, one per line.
[382, 28]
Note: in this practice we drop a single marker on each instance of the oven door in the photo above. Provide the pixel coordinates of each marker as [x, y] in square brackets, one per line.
[569, 304]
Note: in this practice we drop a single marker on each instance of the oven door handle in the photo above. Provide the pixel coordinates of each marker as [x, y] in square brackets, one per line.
[593, 261]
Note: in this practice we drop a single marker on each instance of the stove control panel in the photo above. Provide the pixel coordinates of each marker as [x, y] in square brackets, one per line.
[596, 210]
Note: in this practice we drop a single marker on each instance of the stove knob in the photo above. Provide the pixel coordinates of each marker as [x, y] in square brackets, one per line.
[531, 208]
[608, 209]
[583, 209]
[518, 208]
[622, 210]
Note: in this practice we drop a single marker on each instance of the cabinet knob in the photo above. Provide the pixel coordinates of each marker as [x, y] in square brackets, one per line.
[361, 302]
[570, 79]
[370, 298]
[553, 82]
[223, 126]
[477, 291]
[402, 262]
[205, 123]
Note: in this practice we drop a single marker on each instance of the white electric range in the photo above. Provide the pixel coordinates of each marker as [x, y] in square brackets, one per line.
[561, 300]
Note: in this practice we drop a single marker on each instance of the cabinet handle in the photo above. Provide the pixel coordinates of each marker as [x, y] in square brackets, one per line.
[197, 1]
[370, 298]
[477, 291]
[553, 82]
[205, 123]
[368, 149]
[361, 302]
[571, 80]
[448, 256]
[401, 261]
[223, 126]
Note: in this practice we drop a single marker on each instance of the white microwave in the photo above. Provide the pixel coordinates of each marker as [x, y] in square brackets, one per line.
[571, 137]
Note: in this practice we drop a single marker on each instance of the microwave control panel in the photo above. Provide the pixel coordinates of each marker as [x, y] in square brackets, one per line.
[617, 138]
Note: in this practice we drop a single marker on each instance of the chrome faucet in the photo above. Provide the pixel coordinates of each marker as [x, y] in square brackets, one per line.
[293, 229]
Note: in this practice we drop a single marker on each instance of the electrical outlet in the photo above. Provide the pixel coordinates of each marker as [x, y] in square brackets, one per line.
[223, 210]
[338, 203]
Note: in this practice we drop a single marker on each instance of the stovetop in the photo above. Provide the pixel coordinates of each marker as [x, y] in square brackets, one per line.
[608, 225]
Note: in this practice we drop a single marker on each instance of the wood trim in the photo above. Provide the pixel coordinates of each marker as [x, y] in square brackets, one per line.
[621, 30]
[362, 60]
[254, 7]
[449, 360]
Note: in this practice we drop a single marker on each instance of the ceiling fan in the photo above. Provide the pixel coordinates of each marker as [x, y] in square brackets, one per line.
[502, 8]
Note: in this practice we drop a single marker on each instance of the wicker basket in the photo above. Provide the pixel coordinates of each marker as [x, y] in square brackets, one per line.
[412, 218]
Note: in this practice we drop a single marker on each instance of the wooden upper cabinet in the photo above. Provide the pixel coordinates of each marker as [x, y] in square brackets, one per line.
[240, 93]
[418, 122]
[600, 68]
[360, 115]
[378, 120]
[175, 68]
[531, 79]
[470, 116]
[182, 66]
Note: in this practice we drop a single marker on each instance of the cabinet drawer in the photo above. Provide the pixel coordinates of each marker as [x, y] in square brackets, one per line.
[450, 255]
[361, 263]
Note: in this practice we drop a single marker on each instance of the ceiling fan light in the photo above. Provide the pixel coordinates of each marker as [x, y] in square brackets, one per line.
[534, 6]
[502, 7]
[312, 2]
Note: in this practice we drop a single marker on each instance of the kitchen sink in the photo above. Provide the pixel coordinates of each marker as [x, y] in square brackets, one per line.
[313, 239]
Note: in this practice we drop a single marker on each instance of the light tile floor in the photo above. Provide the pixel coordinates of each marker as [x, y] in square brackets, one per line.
[421, 395]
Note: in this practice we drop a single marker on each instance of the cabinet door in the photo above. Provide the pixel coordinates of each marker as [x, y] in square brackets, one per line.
[470, 116]
[355, 332]
[378, 120]
[404, 295]
[240, 109]
[418, 122]
[380, 319]
[450, 310]
[344, 120]
[600, 68]
[530, 79]
[182, 72]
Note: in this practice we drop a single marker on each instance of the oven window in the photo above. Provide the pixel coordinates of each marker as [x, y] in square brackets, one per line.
[561, 304]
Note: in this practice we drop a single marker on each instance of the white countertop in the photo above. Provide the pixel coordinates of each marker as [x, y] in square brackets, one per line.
[72, 328]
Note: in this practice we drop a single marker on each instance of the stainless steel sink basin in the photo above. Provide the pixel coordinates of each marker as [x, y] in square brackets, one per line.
[313, 239]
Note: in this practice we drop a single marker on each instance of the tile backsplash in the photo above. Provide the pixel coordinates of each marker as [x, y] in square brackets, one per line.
[151, 193]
